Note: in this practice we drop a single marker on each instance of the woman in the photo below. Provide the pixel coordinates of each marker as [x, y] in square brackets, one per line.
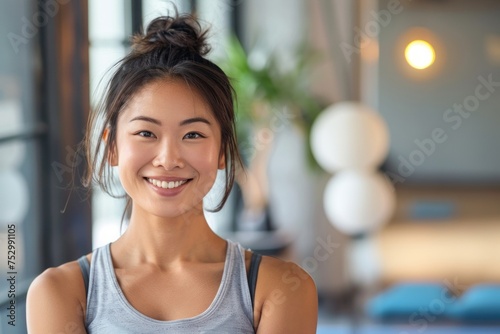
[168, 125]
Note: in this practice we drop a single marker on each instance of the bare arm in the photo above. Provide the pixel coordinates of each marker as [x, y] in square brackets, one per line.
[54, 301]
[289, 300]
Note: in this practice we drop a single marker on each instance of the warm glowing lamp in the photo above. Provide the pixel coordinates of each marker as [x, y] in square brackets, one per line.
[420, 54]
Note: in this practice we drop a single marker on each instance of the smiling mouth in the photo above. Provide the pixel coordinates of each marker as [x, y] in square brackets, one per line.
[166, 184]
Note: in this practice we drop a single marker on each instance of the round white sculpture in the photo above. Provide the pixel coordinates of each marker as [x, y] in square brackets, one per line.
[357, 201]
[349, 135]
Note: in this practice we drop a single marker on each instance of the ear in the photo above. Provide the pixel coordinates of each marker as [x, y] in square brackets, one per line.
[105, 135]
[222, 160]
[112, 155]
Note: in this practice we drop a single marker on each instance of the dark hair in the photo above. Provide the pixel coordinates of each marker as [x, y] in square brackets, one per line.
[172, 48]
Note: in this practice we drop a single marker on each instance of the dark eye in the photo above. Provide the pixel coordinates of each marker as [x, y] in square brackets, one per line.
[193, 135]
[146, 134]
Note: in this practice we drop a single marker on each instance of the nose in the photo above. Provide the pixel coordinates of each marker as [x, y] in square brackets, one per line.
[168, 155]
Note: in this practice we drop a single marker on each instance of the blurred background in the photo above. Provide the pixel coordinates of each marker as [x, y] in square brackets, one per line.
[369, 129]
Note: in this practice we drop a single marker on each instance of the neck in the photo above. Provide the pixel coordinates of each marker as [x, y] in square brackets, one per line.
[166, 241]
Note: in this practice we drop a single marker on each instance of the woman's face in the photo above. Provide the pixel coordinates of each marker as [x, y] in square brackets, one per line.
[167, 149]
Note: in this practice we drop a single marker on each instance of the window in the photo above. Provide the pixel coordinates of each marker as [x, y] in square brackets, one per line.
[43, 102]
[22, 139]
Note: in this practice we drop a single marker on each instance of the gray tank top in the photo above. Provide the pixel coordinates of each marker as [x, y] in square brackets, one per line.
[108, 311]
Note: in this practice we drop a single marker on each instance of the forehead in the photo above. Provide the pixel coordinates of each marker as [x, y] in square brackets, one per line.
[167, 99]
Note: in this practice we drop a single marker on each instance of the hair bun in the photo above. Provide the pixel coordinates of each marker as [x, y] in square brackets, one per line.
[183, 32]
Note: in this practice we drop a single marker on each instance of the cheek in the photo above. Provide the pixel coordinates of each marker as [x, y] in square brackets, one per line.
[130, 154]
[206, 159]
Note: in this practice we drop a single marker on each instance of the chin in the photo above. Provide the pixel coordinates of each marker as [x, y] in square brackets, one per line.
[177, 212]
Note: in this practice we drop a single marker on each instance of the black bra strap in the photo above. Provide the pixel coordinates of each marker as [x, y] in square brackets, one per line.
[252, 274]
[84, 264]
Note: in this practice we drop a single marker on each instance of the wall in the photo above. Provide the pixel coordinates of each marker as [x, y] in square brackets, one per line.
[466, 36]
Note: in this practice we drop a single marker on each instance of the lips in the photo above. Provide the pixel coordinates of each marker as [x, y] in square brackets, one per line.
[167, 184]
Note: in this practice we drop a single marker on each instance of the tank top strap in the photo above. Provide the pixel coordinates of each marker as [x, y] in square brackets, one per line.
[99, 282]
[240, 279]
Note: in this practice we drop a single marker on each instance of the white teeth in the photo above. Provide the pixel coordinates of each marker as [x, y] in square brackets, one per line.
[165, 184]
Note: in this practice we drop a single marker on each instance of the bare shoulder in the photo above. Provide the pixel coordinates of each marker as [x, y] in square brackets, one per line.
[285, 275]
[286, 298]
[63, 279]
[56, 300]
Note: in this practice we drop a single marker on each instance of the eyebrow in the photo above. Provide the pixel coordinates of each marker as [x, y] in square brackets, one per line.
[194, 120]
[146, 119]
[184, 122]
